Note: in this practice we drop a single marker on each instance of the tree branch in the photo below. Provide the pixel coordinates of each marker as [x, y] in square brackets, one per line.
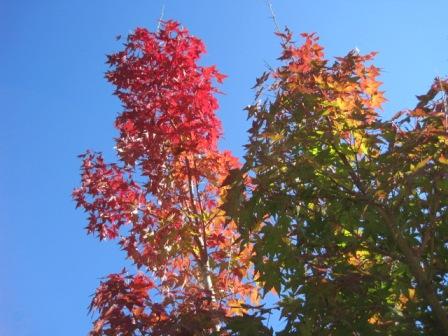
[424, 283]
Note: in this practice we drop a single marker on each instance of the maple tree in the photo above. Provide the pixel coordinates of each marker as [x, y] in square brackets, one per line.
[161, 200]
[347, 212]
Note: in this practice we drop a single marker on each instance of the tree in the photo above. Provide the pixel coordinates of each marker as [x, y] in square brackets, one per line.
[342, 213]
[347, 212]
[161, 200]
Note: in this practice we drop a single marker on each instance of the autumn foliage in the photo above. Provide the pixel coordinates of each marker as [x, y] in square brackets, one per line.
[344, 216]
[161, 199]
[347, 212]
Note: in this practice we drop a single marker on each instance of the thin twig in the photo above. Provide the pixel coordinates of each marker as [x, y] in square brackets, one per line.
[444, 99]
[159, 22]
[273, 17]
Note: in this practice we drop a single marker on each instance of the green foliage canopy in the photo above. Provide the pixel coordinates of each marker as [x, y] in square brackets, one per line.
[347, 213]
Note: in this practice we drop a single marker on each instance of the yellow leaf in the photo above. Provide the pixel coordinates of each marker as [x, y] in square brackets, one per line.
[420, 165]
[443, 160]
[352, 260]
[364, 149]
[374, 319]
[377, 99]
[236, 308]
[254, 297]
[273, 136]
[362, 253]
[346, 233]
[274, 291]
[358, 258]
[319, 80]
[340, 103]
[381, 194]
[403, 299]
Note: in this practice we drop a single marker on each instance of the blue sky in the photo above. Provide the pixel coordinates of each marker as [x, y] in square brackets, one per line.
[56, 104]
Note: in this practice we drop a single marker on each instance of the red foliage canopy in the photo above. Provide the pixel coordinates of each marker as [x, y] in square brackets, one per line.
[162, 199]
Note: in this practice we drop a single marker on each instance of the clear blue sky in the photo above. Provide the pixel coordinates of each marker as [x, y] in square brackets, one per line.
[55, 104]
